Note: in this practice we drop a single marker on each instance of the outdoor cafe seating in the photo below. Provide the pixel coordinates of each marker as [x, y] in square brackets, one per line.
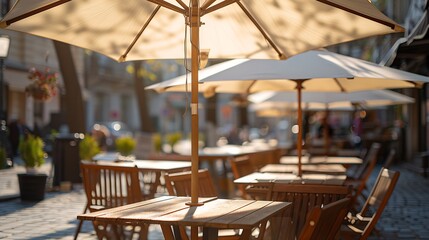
[179, 184]
[304, 197]
[311, 196]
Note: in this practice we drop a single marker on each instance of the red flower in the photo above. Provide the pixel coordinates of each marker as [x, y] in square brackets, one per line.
[43, 86]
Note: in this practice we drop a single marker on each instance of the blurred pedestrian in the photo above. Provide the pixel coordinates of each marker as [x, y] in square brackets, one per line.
[17, 130]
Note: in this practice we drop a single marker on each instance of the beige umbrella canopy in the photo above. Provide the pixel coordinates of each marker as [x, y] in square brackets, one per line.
[327, 100]
[321, 71]
[230, 29]
[158, 29]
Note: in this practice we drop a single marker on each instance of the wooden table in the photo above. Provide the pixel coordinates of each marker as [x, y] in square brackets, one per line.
[171, 212]
[209, 155]
[305, 160]
[259, 177]
[333, 169]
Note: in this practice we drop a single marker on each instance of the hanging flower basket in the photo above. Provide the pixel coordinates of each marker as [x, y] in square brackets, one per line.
[43, 85]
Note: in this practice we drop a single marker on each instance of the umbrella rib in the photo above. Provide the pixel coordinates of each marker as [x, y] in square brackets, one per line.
[263, 32]
[35, 11]
[208, 9]
[250, 86]
[184, 6]
[339, 85]
[124, 56]
[170, 6]
[391, 25]
[206, 5]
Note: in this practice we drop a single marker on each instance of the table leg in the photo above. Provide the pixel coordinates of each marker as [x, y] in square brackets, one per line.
[210, 233]
[167, 232]
[245, 234]
[144, 231]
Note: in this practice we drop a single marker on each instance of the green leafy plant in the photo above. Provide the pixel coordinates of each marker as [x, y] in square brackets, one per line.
[157, 142]
[31, 150]
[88, 148]
[125, 145]
[173, 138]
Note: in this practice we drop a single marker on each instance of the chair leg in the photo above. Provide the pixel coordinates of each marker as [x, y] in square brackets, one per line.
[79, 226]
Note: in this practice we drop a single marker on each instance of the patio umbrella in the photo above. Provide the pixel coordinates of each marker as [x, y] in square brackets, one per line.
[156, 29]
[328, 100]
[277, 102]
[314, 70]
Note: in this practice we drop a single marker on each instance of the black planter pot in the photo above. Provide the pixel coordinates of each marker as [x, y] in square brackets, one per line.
[32, 186]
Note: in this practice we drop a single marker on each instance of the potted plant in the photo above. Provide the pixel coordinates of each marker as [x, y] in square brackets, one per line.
[173, 138]
[157, 142]
[125, 145]
[43, 84]
[88, 148]
[32, 184]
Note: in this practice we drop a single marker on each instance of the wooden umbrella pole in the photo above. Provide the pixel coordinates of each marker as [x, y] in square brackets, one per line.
[195, 42]
[326, 136]
[299, 140]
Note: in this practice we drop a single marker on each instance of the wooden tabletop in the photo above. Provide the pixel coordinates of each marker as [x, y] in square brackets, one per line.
[333, 169]
[147, 165]
[259, 177]
[216, 153]
[305, 160]
[172, 211]
[151, 165]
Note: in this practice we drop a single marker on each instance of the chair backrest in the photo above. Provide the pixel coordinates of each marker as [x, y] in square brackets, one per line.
[324, 222]
[367, 171]
[241, 166]
[304, 197]
[179, 184]
[108, 186]
[369, 160]
[377, 199]
[261, 158]
[390, 158]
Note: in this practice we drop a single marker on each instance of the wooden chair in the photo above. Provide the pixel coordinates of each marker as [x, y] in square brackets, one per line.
[359, 171]
[361, 225]
[304, 197]
[390, 158]
[241, 166]
[259, 159]
[324, 222]
[179, 184]
[363, 173]
[108, 186]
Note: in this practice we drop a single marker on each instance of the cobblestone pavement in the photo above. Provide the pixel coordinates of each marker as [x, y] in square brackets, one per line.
[405, 217]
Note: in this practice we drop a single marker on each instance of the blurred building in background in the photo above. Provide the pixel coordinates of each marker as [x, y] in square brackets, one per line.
[109, 91]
